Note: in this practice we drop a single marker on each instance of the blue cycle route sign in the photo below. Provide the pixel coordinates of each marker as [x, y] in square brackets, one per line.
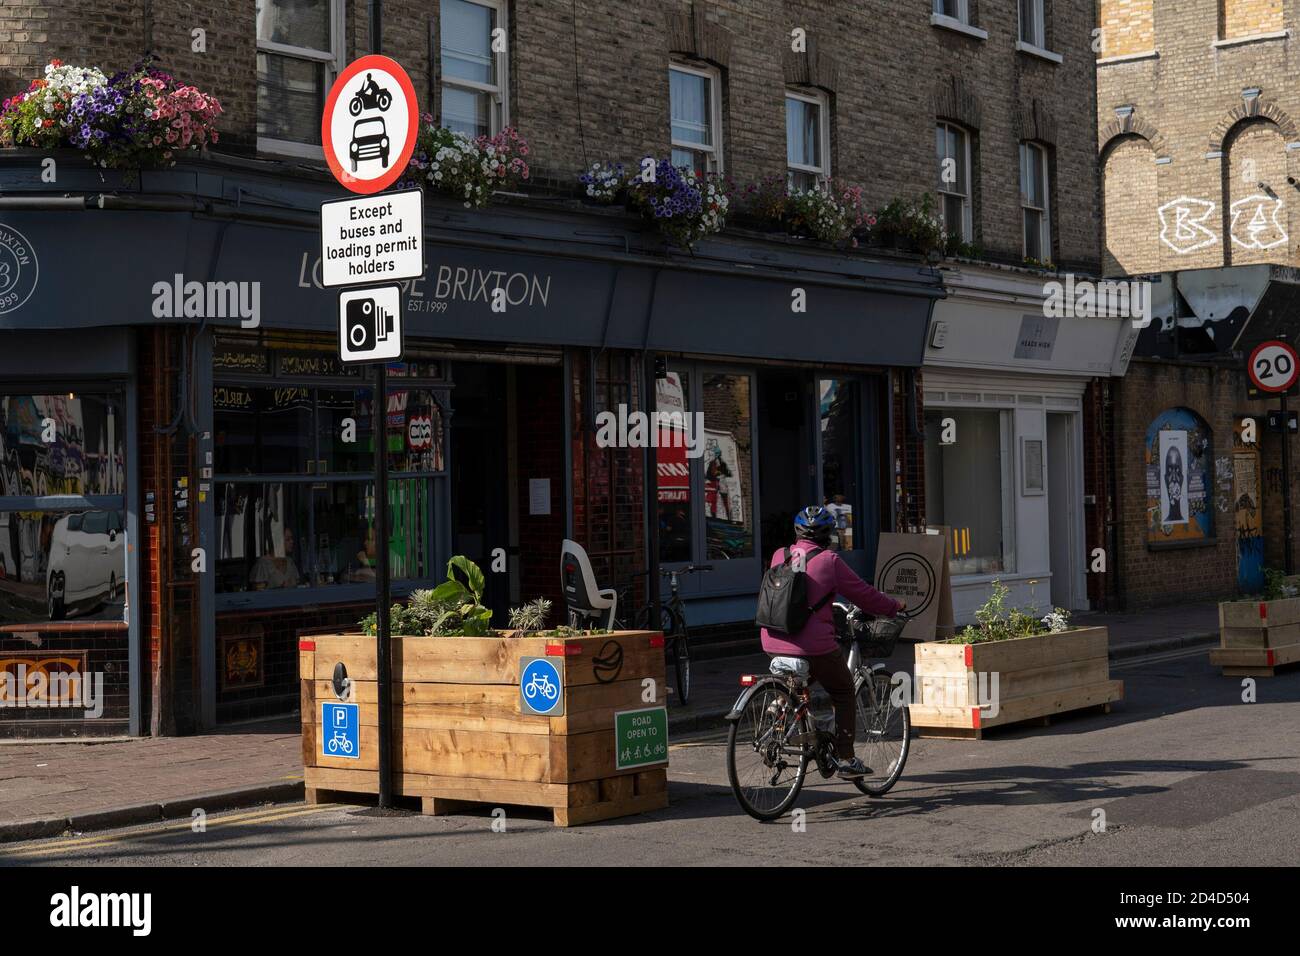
[541, 690]
[340, 730]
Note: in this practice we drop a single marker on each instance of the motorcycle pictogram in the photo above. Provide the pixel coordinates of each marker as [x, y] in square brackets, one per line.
[371, 96]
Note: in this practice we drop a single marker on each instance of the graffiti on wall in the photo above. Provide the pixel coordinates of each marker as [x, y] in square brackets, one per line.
[1248, 516]
[1180, 478]
[1256, 223]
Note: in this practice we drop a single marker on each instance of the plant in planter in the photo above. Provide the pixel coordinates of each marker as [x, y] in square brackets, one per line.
[531, 617]
[832, 213]
[996, 622]
[466, 168]
[1259, 633]
[683, 206]
[139, 118]
[452, 609]
[911, 224]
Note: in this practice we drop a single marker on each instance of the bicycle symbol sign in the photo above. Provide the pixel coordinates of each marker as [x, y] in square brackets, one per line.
[540, 688]
[340, 730]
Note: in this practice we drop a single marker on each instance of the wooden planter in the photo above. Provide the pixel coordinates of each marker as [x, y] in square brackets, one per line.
[1036, 677]
[462, 736]
[1256, 637]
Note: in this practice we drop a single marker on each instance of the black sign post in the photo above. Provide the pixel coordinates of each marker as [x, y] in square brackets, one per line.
[384, 670]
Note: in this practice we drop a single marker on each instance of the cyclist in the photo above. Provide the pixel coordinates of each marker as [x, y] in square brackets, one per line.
[815, 642]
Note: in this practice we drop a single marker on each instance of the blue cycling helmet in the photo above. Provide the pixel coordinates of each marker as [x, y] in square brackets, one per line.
[814, 523]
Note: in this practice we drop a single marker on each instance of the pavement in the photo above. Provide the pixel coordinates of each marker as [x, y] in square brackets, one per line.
[49, 788]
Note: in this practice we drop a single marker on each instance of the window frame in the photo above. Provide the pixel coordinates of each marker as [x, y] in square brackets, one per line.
[968, 198]
[822, 101]
[714, 163]
[1045, 227]
[1039, 7]
[499, 91]
[333, 61]
[962, 15]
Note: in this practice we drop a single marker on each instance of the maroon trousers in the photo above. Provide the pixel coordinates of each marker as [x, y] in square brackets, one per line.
[832, 672]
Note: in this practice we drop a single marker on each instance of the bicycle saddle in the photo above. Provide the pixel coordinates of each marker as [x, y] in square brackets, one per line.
[794, 666]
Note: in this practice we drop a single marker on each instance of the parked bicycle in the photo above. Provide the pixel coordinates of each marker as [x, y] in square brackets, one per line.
[774, 735]
[672, 621]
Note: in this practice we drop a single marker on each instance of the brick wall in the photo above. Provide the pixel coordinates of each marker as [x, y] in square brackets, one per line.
[598, 89]
[1127, 26]
[1192, 106]
[1218, 394]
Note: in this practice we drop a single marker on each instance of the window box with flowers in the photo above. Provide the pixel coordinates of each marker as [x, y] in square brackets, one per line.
[140, 118]
[468, 169]
[910, 225]
[832, 212]
[684, 205]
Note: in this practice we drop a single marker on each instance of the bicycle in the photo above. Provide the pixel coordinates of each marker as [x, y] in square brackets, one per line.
[774, 733]
[542, 685]
[672, 621]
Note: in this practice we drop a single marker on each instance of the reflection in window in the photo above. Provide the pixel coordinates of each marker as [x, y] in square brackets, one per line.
[672, 397]
[728, 466]
[839, 429]
[263, 429]
[968, 487]
[69, 444]
[278, 535]
[60, 565]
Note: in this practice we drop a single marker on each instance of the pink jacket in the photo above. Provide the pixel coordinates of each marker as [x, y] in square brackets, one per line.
[827, 573]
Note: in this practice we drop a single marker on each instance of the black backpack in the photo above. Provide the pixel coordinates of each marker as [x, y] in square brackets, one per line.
[783, 596]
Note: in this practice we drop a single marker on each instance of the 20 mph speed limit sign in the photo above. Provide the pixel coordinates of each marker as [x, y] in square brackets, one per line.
[1274, 366]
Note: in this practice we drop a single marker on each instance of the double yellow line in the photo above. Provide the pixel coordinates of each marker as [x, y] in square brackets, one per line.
[232, 820]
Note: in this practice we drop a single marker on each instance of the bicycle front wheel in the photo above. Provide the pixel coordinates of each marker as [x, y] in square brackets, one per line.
[884, 735]
[766, 772]
[681, 656]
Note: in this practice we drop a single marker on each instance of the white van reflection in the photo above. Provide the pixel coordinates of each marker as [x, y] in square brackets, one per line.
[87, 563]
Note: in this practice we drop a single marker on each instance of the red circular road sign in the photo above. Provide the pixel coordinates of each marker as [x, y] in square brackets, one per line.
[370, 123]
[1273, 366]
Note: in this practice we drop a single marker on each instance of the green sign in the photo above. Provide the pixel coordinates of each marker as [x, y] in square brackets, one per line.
[640, 737]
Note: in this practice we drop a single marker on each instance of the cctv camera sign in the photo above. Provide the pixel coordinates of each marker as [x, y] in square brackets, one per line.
[369, 125]
[372, 238]
[370, 324]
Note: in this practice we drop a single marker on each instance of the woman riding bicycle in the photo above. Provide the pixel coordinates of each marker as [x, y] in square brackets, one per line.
[815, 642]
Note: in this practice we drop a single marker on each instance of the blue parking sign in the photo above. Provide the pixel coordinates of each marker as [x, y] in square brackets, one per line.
[340, 730]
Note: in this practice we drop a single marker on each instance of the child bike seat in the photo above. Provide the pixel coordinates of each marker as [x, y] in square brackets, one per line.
[793, 666]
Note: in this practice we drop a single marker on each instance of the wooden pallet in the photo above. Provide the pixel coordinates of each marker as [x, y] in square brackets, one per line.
[1038, 677]
[570, 804]
[1257, 637]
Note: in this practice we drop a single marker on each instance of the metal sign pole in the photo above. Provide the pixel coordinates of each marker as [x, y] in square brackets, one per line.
[1286, 488]
[382, 599]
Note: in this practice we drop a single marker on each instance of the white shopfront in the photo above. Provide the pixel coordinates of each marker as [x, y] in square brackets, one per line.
[1004, 452]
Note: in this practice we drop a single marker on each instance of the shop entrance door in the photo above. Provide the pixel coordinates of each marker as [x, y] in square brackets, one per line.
[1063, 498]
[784, 454]
[482, 480]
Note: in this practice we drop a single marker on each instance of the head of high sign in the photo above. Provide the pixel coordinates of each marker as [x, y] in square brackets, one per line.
[370, 124]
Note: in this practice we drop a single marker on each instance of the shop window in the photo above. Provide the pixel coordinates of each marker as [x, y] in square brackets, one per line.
[969, 487]
[1179, 479]
[839, 401]
[297, 58]
[672, 397]
[728, 466]
[65, 563]
[695, 97]
[474, 85]
[807, 138]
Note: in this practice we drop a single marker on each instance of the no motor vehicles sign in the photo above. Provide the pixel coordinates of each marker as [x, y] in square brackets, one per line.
[370, 124]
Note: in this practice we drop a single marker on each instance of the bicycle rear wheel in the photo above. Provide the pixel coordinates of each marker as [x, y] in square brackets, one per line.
[765, 776]
[884, 736]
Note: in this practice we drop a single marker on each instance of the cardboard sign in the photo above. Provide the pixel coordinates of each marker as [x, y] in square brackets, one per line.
[913, 568]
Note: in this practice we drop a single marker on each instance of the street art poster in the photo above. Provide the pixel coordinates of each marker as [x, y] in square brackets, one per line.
[723, 498]
[1248, 515]
[673, 466]
[1173, 473]
[1179, 479]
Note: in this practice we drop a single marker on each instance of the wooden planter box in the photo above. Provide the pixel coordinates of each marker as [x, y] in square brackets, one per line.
[461, 735]
[1255, 637]
[1036, 677]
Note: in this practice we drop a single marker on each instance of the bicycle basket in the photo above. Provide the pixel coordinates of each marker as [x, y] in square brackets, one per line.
[877, 638]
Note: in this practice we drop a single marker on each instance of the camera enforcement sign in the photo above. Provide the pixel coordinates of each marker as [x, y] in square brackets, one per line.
[370, 324]
[372, 238]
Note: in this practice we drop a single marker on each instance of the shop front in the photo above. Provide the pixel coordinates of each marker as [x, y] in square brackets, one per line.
[1011, 440]
[228, 452]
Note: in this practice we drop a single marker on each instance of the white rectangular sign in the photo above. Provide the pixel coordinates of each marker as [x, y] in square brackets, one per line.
[370, 324]
[372, 238]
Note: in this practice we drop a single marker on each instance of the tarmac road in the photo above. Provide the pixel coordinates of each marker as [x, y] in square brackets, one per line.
[1185, 773]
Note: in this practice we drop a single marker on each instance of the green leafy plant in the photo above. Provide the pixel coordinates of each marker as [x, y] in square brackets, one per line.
[452, 609]
[532, 616]
[911, 223]
[995, 621]
[566, 631]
